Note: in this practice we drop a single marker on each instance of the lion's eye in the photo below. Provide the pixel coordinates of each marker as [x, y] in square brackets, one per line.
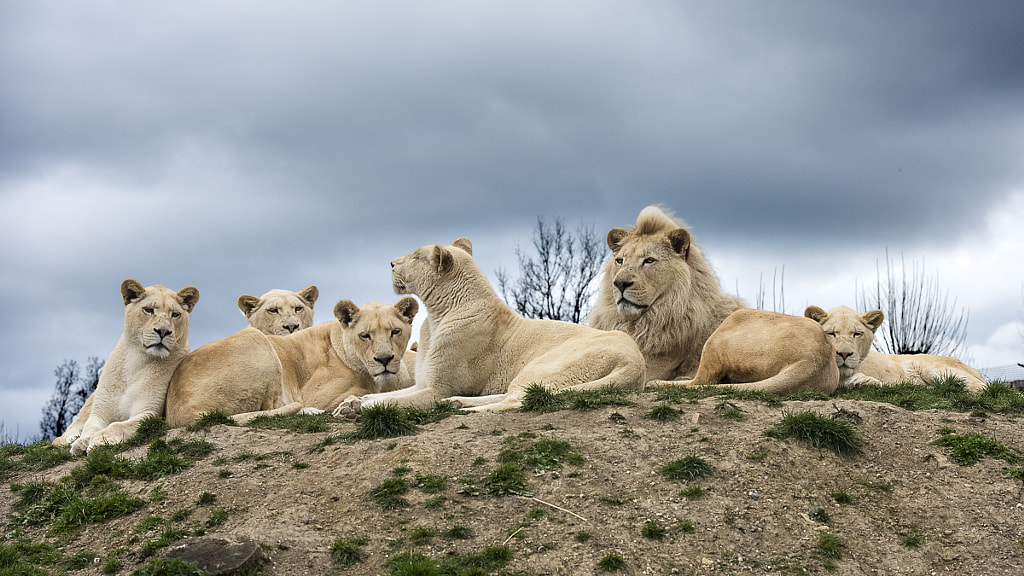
[650, 260]
[175, 314]
[272, 310]
[858, 334]
[148, 309]
[364, 335]
[298, 308]
[396, 331]
[618, 261]
[831, 333]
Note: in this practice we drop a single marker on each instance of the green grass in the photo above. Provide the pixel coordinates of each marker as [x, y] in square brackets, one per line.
[663, 413]
[383, 421]
[652, 530]
[486, 561]
[611, 563]
[831, 546]
[210, 419]
[34, 457]
[457, 532]
[841, 497]
[728, 409]
[911, 538]
[686, 469]
[970, 448]
[169, 567]
[66, 508]
[421, 535]
[301, 423]
[348, 551]
[431, 483]
[168, 536]
[838, 436]
[217, 517]
[693, 492]
[540, 399]
[819, 514]
[206, 498]
[686, 526]
[544, 454]
[507, 480]
[389, 495]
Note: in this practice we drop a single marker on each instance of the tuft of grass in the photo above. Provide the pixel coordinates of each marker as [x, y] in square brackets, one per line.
[457, 532]
[35, 457]
[841, 497]
[582, 536]
[831, 546]
[819, 514]
[693, 492]
[969, 449]
[389, 494]
[167, 537]
[383, 421]
[206, 498]
[611, 563]
[217, 517]
[210, 419]
[544, 454]
[686, 526]
[302, 423]
[686, 469]
[435, 503]
[539, 399]
[728, 409]
[487, 561]
[348, 551]
[652, 530]
[431, 483]
[911, 538]
[663, 413]
[811, 428]
[507, 480]
[169, 567]
[421, 535]
[150, 428]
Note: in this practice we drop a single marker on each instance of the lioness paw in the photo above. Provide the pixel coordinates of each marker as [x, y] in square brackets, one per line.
[79, 446]
[349, 408]
[310, 411]
[858, 380]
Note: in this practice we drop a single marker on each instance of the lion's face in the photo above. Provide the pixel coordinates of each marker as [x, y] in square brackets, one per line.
[645, 266]
[849, 333]
[280, 312]
[426, 267]
[156, 318]
[377, 335]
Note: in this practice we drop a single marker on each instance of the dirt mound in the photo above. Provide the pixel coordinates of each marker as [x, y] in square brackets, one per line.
[581, 492]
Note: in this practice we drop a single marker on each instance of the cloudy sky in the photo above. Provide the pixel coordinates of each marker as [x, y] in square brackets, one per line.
[243, 146]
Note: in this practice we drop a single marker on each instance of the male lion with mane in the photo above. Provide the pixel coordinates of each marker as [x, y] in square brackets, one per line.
[850, 335]
[249, 374]
[280, 312]
[473, 344]
[658, 288]
[133, 382]
[767, 351]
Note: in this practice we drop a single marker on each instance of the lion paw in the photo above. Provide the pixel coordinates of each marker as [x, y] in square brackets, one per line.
[310, 411]
[79, 446]
[349, 409]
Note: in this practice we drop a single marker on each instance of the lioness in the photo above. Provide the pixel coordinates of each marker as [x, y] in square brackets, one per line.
[472, 343]
[851, 334]
[759, 350]
[133, 382]
[280, 312]
[658, 288]
[250, 373]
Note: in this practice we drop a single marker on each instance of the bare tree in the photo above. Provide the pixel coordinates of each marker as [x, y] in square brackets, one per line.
[778, 292]
[69, 394]
[555, 283]
[919, 318]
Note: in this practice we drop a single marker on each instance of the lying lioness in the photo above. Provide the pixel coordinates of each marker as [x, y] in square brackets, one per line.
[249, 373]
[759, 350]
[850, 336]
[473, 344]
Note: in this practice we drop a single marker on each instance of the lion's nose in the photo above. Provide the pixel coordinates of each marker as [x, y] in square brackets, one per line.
[384, 359]
[291, 328]
[162, 332]
[844, 355]
[623, 284]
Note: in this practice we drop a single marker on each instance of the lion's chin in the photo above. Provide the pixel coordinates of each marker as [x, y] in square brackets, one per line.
[384, 378]
[627, 308]
[158, 350]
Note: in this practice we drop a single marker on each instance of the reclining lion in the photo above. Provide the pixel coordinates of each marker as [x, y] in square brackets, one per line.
[280, 312]
[134, 379]
[658, 288]
[768, 351]
[850, 336]
[473, 344]
[249, 373]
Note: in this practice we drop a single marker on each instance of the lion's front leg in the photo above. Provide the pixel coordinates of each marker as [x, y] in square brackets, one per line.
[74, 430]
[689, 382]
[859, 379]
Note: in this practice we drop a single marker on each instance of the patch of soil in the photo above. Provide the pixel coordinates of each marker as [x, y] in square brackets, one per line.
[764, 511]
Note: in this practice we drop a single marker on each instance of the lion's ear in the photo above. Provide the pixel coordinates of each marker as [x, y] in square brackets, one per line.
[131, 291]
[346, 312]
[187, 297]
[442, 259]
[464, 244]
[816, 314]
[248, 303]
[680, 241]
[615, 238]
[309, 294]
[407, 308]
[873, 319]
